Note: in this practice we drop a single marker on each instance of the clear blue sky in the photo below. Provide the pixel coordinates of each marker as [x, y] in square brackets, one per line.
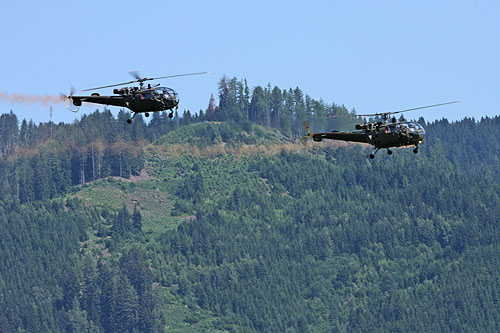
[370, 55]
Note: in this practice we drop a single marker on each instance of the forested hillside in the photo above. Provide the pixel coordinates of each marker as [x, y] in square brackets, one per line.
[221, 220]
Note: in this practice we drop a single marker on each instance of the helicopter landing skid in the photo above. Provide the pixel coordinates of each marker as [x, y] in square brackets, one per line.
[129, 120]
[171, 114]
[372, 155]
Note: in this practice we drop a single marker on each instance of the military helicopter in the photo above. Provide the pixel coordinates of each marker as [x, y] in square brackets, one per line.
[381, 134]
[138, 99]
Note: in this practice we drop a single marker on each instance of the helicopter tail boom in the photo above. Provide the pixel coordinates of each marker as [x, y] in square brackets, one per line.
[342, 136]
[105, 100]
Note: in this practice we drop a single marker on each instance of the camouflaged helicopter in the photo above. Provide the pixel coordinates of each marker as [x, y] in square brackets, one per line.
[138, 99]
[381, 134]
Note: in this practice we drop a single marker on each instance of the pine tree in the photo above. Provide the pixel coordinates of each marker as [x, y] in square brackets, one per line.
[211, 108]
[121, 223]
[276, 107]
[258, 106]
[137, 219]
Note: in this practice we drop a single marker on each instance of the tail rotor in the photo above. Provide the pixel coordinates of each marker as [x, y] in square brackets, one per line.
[307, 125]
[68, 101]
[307, 137]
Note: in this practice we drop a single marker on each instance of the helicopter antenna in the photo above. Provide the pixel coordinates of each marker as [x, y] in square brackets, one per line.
[385, 115]
[140, 80]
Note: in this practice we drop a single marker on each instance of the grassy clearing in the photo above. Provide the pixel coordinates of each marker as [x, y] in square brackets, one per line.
[154, 204]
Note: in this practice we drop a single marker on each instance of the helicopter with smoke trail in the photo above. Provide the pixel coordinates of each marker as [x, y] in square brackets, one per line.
[138, 99]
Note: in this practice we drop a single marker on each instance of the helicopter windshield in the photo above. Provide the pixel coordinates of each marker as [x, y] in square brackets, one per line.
[412, 127]
[166, 92]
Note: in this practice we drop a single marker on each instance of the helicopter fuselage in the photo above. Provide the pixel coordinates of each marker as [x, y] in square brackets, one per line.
[135, 99]
[403, 134]
[380, 135]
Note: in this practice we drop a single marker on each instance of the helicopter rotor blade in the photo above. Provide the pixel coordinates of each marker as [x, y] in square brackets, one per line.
[109, 86]
[177, 75]
[405, 110]
[64, 96]
[140, 79]
[68, 100]
[423, 107]
[135, 74]
[370, 114]
[307, 137]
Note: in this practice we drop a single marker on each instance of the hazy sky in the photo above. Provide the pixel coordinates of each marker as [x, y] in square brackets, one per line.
[373, 56]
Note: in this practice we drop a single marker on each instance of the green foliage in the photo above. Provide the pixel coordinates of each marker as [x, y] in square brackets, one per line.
[202, 135]
[469, 145]
[38, 164]
[39, 246]
[285, 110]
[323, 240]
[335, 241]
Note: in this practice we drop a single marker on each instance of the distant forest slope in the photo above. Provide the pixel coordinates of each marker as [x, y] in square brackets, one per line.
[221, 221]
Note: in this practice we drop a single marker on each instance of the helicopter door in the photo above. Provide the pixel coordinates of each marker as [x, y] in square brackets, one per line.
[391, 129]
[144, 101]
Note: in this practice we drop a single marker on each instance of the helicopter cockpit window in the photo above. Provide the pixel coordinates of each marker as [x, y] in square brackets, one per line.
[414, 128]
[167, 93]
